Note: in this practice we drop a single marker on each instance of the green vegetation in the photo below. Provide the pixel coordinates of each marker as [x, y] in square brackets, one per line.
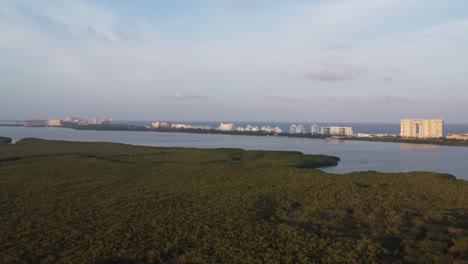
[438, 141]
[5, 140]
[67, 202]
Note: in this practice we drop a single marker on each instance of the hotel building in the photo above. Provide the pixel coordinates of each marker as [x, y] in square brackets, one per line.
[299, 129]
[421, 128]
[340, 131]
[314, 130]
[54, 122]
[226, 127]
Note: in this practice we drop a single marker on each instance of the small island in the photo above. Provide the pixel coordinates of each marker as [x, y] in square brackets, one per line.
[115, 203]
[5, 140]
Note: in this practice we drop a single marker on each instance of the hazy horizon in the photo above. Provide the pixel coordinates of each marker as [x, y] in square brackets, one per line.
[337, 61]
[126, 121]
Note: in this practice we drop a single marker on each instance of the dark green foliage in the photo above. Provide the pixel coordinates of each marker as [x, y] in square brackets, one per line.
[5, 140]
[66, 202]
[431, 141]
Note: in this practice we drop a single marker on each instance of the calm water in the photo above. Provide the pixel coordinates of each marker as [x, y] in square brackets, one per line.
[355, 155]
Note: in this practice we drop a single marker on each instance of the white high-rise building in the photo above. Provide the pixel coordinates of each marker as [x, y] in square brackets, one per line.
[54, 122]
[421, 128]
[301, 129]
[297, 129]
[226, 127]
[338, 131]
[293, 129]
[315, 129]
[278, 130]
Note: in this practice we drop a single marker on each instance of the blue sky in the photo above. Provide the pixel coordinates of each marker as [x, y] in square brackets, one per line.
[233, 60]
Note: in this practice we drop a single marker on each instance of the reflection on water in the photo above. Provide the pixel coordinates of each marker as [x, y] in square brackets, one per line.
[355, 155]
[419, 146]
[338, 141]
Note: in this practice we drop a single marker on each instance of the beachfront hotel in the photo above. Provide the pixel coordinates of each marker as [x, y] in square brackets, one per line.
[297, 129]
[336, 131]
[421, 128]
[226, 127]
[54, 122]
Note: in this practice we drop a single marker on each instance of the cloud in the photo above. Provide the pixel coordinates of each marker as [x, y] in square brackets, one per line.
[65, 45]
[143, 76]
[79, 19]
[284, 99]
[392, 99]
[394, 69]
[328, 75]
[182, 96]
[366, 100]
[245, 5]
[330, 72]
[336, 45]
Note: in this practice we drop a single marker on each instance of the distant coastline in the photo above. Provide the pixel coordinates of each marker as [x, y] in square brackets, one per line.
[356, 155]
[140, 128]
[442, 142]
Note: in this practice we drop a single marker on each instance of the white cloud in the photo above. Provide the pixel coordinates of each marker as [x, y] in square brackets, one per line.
[179, 95]
[284, 99]
[78, 44]
[334, 73]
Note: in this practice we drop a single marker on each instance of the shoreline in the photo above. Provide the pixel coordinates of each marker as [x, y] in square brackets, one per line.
[355, 167]
[122, 127]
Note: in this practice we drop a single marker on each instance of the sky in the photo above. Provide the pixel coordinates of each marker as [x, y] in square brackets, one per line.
[235, 60]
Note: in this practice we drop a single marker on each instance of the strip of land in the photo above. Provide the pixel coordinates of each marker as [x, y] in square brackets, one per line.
[441, 141]
[122, 127]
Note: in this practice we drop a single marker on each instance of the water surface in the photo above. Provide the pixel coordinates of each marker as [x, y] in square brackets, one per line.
[355, 155]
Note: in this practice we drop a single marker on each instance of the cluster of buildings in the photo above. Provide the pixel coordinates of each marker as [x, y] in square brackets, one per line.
[68, 120]
[86, 122]
[267, 129]
[294, 129]
[366, 135]
[409, 128]
[326, 131]
[458, 136]
[43, 123]
[249, 128]
[177, 126]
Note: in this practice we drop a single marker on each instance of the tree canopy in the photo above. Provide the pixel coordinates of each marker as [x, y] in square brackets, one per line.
[66, 202]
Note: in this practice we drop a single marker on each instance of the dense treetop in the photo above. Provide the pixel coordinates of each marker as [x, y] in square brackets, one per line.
[69, 202]
[5, 140]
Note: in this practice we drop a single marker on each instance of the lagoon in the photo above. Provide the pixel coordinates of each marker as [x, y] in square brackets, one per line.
[355, 155]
